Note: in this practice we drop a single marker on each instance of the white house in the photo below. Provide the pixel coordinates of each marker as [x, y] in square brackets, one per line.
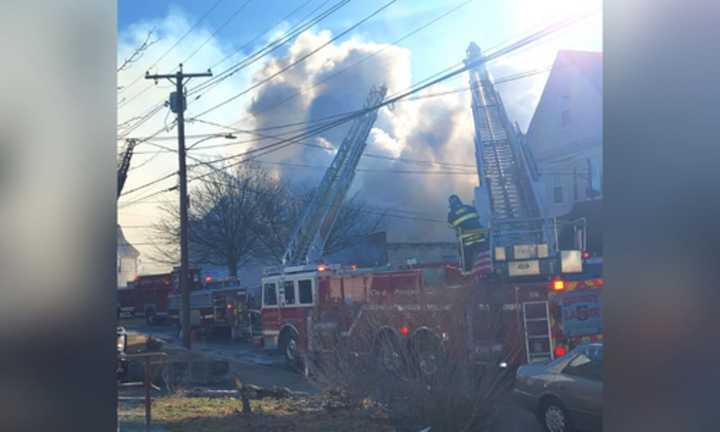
[565, 134]
[127, 260]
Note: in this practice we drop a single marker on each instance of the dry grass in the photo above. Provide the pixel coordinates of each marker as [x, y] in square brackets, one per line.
[183, 414]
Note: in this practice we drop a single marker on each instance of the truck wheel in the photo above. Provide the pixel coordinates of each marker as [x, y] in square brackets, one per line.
[289, 348]
[387, 353]
[428, 353]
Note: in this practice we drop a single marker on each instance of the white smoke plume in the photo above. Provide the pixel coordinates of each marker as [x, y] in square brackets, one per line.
[434, 129]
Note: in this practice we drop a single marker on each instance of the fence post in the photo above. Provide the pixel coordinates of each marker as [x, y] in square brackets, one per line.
[148, 402]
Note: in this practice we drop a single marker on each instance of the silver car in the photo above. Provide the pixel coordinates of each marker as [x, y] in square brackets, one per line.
[566, 393]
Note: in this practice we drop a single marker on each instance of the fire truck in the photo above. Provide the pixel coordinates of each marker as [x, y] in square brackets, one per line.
[535, 300]
[542, 295]
[146, 296]
[216, 304]
[310, 308]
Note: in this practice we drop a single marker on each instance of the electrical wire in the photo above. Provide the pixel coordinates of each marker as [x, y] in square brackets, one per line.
[503, 51]
[301, 59]
[197, 23]
[365, 58]
[217, 30]
[294, 32]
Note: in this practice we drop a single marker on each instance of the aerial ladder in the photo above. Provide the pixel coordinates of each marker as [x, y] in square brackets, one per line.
[307, 244]
[508, 197]
[124, 165]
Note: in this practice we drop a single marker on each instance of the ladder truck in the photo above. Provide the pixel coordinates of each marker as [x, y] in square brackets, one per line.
[309, 308]
[528, 308]
[291, 292]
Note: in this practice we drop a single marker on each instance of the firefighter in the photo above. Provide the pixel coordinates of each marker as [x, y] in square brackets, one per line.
[471, 234]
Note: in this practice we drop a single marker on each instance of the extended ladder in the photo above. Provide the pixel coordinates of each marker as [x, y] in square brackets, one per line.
[308, 242]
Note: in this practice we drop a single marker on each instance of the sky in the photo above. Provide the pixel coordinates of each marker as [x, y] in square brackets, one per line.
[275, 91]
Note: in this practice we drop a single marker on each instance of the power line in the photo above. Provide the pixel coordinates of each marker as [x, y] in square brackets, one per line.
[271, 46]
[501, 52]
[370, 170]
[367, 57]
[205, 15]
[261, 34]
[256, 55]
[214, 33]
[301, 59]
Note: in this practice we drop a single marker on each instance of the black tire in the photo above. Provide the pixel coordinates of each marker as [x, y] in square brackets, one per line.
[388, 354]
[288, 345]
[554, 416]
[428, 354]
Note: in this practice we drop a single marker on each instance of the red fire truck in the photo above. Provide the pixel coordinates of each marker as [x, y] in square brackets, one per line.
[530, 320]
[310, 309]
[147, 296]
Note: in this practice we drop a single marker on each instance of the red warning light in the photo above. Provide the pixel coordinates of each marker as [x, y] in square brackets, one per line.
[208, 279]
[560, 351]
[404, 330]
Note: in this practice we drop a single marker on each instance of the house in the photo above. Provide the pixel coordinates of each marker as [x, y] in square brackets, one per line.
[565, 134]
[127, 260]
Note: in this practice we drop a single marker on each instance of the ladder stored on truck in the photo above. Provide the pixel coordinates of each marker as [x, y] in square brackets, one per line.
[536, 322]
[308, 241]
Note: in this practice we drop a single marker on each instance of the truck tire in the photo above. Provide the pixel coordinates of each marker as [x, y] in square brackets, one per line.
[428, 353]
[387, 353]
[288, 346]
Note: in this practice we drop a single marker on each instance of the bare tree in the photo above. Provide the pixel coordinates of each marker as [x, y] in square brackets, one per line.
[224, 226]
[246, 213]
[283, 211]
[138, 51]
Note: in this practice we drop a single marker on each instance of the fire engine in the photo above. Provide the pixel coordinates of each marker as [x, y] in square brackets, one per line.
[146, 296]
[541, 296]
[216, 304]
[536, 298]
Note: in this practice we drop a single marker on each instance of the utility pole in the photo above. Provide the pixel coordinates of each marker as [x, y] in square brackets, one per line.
[178, 105]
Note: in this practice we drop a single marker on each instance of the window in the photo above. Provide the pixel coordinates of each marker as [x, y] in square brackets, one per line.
[289, 288]
[558, 194]
[305, 291]
[585, 366]
[269, 295]
[565, 118]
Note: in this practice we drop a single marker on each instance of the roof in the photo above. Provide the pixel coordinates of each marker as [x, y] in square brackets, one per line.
[124, 248]
[588, 63]
[568, 66]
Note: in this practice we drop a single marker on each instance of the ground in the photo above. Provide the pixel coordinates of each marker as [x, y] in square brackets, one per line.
[181, 412]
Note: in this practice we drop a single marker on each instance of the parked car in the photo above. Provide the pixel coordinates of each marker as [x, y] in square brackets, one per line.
[566, 393]
[122, 363]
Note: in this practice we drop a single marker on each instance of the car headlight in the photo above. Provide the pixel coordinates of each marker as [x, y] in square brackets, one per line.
[121, 343]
